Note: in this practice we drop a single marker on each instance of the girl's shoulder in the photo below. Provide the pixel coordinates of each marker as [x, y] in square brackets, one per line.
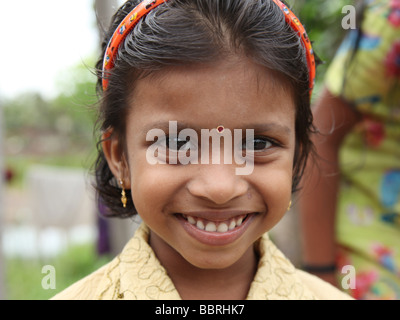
[321, 289]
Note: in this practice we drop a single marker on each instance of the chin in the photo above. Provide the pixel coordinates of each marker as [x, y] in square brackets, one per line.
[215, 259]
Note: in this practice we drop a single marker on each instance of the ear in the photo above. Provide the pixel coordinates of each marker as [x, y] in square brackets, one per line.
[115, 156]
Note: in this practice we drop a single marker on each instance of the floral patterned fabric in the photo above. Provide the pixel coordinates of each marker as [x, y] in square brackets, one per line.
[368, 224]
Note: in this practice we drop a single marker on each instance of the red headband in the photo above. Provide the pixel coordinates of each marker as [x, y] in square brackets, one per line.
[145, 6]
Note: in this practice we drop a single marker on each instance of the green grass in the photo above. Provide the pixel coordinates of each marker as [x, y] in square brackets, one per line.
[24, 277]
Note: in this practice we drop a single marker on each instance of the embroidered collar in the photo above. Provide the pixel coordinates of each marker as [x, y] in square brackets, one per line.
[137, 274]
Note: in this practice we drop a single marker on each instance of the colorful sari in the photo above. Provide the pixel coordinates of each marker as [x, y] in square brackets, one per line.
[368, 219]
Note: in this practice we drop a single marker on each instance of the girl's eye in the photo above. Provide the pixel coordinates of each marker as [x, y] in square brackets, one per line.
[177, 144]
[257, 144]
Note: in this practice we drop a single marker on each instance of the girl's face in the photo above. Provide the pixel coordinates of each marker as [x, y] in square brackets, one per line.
[208, 213]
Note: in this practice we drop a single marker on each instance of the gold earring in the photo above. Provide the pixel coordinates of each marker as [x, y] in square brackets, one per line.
[290, 205]
[123, 194]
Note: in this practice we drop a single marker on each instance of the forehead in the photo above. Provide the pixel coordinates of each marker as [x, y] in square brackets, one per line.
[229, 91]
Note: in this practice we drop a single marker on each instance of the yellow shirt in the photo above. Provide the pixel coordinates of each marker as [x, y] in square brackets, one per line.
[136, 274]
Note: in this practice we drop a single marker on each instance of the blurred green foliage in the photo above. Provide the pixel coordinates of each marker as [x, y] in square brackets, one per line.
[56, 131]
[70, 115]
[323, 22]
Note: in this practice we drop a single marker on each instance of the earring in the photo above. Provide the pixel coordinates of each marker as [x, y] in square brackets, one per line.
[123, 194]
[290, 205]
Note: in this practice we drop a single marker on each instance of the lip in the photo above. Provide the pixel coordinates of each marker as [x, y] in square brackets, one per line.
[216, 238]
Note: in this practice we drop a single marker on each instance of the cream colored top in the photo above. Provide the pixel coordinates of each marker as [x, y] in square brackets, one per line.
[137, 274]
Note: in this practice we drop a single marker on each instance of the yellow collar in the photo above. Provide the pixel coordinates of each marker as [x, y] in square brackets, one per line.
[137, 274]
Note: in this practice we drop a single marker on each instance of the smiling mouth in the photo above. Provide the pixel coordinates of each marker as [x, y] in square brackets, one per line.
[216, 226]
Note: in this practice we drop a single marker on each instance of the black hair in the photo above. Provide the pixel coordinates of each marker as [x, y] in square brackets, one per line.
[184, 32]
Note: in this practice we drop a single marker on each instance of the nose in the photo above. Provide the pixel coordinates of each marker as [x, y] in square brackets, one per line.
[217, 183]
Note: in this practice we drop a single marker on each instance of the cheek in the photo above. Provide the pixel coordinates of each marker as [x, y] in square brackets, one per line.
[152, 186]
[275, 187]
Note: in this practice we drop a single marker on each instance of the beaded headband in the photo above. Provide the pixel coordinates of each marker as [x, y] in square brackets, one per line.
[143, 8]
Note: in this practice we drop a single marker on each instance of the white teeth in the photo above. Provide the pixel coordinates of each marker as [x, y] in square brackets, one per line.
[191, 220]
[223, 227]
[211, 227]
[200, 225]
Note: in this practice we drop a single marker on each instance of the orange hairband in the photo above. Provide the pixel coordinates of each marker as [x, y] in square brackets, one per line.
[146, 6]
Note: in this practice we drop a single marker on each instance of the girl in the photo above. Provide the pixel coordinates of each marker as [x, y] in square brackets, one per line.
[216, 67]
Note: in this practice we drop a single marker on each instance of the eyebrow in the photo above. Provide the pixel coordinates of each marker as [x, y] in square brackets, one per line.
[272, 126]
[257, 127]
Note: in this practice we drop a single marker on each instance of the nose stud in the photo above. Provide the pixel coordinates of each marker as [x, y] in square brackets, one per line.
[220, 129]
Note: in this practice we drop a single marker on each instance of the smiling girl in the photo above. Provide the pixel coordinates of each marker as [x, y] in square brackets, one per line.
[207, 64]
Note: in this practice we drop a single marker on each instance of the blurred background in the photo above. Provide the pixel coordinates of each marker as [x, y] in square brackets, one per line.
[48, 213]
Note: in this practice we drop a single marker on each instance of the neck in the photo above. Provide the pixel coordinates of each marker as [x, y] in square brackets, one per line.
[193, 283]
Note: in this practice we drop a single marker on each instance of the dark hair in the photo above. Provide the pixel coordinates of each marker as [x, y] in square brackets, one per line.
[181, 32]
